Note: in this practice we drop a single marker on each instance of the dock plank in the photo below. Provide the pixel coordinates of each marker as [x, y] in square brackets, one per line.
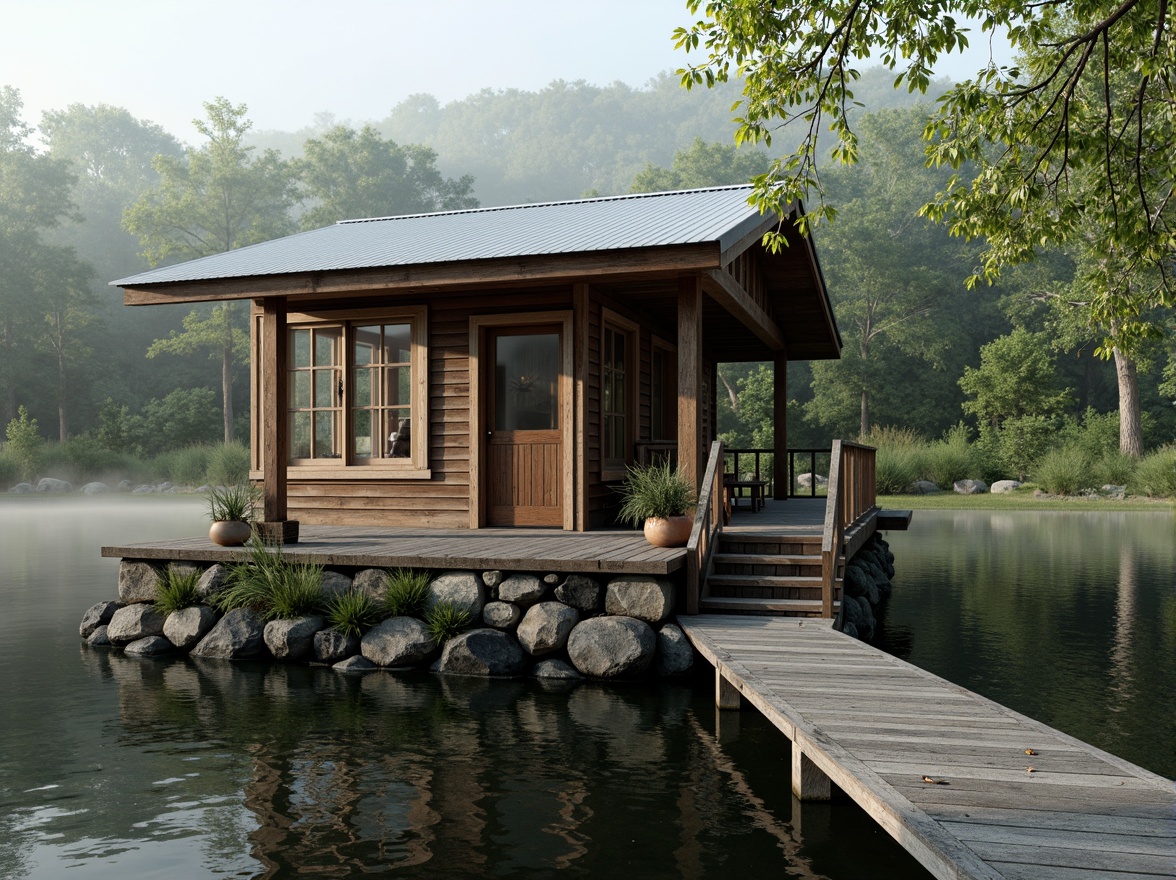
[879, 727]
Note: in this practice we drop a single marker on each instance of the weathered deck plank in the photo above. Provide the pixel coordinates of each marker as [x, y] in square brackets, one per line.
[876, 726]
[540, 550]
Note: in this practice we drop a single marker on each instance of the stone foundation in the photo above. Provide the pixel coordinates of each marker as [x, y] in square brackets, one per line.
[866, 588]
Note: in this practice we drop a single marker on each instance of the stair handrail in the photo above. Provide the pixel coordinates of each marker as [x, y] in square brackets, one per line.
[708, 524]
[852, 496]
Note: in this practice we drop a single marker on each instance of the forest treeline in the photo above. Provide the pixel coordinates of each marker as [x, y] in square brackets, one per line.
[92, 194]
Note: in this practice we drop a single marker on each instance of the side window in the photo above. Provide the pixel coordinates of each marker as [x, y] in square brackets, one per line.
[357, 394]
[618, 375]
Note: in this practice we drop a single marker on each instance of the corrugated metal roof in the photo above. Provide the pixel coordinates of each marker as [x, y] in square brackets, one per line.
[720, 215]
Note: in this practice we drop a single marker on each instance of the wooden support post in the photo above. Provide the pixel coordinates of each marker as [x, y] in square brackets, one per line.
[690, 440]
[809, 782]
[727, 725]
[782, 477]
[581, 303]
[726, 694]
[274, 429]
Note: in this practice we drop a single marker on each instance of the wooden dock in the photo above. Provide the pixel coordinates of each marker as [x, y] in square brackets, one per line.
[546, 550]
[970, 788]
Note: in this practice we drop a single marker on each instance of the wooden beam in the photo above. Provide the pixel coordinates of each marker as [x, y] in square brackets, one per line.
[580, 306]
[474, 274]
[690, 439]
[729, 293]
[809, 782]
[274, 423]
[781, 484]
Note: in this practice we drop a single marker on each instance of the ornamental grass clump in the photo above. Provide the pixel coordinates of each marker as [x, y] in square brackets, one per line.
[654, 490]
[353, 612]
[445, 620]
[234, 503]
[177, 590]
[1064, 471]
[1155, 474]
[406, 592]
[272, 585]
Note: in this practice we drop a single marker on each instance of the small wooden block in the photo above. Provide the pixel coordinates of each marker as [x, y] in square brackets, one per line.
[278, 532]
[726, 694]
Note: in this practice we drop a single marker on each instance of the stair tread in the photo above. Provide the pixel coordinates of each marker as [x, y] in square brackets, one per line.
[766, 559]
[733, 603]
[766, 580]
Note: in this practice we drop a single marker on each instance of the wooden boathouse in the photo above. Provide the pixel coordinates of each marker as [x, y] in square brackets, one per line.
[462, 390]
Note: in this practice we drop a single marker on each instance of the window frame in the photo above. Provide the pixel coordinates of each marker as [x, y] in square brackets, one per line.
[617, 468]
[669, 382]
[349, 466]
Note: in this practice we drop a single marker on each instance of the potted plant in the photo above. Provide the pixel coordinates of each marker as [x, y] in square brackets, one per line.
[231, 510]
[660, 497]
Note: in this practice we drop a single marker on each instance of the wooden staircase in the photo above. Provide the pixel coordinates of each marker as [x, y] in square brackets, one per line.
[755, 573]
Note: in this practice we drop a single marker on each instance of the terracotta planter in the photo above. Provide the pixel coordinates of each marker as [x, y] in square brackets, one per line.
[671, 531]
[230, 533]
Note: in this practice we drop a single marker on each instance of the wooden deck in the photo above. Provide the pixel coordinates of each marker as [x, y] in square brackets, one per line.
[534, 550]
[880, 728]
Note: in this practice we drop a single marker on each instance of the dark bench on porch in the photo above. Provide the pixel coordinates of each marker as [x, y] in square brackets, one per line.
[753, 490]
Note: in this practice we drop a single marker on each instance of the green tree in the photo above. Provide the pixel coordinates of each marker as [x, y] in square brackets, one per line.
[62, 288]
[702, 165]
[24, 442]
[893, 277]
[218, 334]
[348, 173]
[1016, 377]
[34, 198]
[1080, 134]
[215, 198]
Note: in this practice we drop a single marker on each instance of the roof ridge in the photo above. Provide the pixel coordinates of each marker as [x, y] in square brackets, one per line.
[499, 208]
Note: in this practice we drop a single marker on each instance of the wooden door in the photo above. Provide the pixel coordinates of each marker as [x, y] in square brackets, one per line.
[524, 449]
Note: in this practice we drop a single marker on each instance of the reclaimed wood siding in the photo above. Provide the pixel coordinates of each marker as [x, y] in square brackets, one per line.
[443, 501]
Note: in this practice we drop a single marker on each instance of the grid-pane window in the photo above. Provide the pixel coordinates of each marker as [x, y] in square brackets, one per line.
[316, 393]
[381, 411]
[355, 391]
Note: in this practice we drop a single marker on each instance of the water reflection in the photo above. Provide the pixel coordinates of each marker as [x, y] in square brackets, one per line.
[1068, 617]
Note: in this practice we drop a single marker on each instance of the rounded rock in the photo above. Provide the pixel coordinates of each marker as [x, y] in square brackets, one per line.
[580, 592]
[186, 627]
[641, 596]
[96, 616]
[612, 647]
[152, 646]
[546, 626]
[238, 635]
[137, 582]
[331, 646]
[397, 641]
[523, 590]
[292, 639]
[213, 581]
[674, 654]
[371, 581]
[461, 589]
[134, 622]
[486, 652]
[501, 615]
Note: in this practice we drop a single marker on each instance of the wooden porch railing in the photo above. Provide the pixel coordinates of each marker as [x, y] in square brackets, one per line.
[851, 498]
[708, 523]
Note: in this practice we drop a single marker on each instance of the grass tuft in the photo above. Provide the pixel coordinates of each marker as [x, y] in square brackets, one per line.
[445, 620]
[272, 585]
[353, 612]
[406, 592]
[177, 590]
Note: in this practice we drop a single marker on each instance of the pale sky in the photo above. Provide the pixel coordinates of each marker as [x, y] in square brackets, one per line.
[290, 59]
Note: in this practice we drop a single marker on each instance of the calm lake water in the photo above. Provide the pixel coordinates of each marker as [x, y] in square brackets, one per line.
[112, 767]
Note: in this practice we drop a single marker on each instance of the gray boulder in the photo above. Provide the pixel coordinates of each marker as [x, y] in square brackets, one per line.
[335, 584]
[371, 582]
[483, 652]
[1005, 486]
[331, 646]
[674, 654]
[492, 579]
[612, 647]
[21, 489]
[580, 592]
[969, 487]
[355, 664]
[501, 615]
[857, 580]
[546, 627]
[95, 489]
[96, 616]
[397, 641]
[99, 639]
[641, 596]
[186, 627]
[461, 589]
[213, 581]
[1113, 491]
[523, 590]
[805, 481]
[48, 484]
[124, 486]
[134, 622]
[152, 646]
[237, 635]
[924, 487]
[555, 669]
[292, 639]
[137, 582]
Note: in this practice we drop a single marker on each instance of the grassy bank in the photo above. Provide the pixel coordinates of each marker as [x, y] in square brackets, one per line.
[1020, 500]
